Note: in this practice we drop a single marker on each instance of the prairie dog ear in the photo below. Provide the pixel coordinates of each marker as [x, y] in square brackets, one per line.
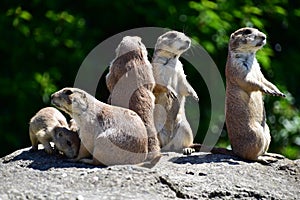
[232, 36]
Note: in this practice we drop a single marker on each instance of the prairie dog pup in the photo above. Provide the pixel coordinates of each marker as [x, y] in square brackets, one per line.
[111, 135]
[130, 81]
[171, 90]
[67, 141]
[49, 125]
[248, 132]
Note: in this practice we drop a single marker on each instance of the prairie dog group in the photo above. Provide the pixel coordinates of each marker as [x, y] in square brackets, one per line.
[171, 90]
[248, 132]
[49, 125]
[111, 135]
[130, 81]
[147, 111]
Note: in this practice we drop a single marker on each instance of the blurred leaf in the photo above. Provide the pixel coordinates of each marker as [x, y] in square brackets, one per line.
[279, 10]
[46, 85]
[25, 15]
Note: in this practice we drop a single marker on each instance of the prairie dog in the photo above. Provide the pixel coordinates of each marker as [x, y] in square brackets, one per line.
[66, 141]
[130, 81]
[111, 135]
[248, 132]
[171, 90]
[49, 125]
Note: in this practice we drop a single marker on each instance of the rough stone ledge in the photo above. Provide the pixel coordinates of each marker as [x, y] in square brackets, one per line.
[36, 175]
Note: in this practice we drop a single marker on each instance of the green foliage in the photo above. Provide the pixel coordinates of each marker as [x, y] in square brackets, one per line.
[44, 42]
[46, 85]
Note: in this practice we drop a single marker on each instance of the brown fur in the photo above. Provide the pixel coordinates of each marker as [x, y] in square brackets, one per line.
[130, 81]
[248, 132]
[49, 125]
[245, 115]
[111, 134]
[66, 141]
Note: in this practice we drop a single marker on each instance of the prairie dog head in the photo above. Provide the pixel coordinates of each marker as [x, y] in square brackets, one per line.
[71, 100]
[246, 40]
[66, 141]
[173, 42]
[131, 43]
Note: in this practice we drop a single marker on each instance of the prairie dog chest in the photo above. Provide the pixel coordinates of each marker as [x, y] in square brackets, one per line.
[243, 69]
[169, 76]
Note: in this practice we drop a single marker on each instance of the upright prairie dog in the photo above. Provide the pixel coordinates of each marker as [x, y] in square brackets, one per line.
[49, 125]
[130, 81]
[248, 132]
[170, 92]
[111, 135]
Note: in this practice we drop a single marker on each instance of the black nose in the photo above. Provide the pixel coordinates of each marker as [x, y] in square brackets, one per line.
[263, 37]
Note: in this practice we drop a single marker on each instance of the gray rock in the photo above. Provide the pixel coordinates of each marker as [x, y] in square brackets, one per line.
[36, 175]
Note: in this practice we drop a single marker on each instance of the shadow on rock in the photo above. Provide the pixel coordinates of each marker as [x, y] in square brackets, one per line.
[207, 158]
[40, 160]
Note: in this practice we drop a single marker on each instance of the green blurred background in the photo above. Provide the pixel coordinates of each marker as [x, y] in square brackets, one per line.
[44, 42]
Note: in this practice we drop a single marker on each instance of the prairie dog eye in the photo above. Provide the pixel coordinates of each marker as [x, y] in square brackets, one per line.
[68, 92]
[247, 32]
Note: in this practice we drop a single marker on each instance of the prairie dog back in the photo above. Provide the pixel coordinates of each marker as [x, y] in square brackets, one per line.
[130, 81]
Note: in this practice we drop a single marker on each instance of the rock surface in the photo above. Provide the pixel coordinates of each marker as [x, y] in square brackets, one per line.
[36, 175]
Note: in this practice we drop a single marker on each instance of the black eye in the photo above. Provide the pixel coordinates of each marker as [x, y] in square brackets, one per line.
[69, 143]
[247, 32]
[58, 132]
[68, 92]
[171, 35]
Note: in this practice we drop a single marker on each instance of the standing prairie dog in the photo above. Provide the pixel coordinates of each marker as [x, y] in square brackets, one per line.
[130, 81]
[248, 132]
[111, 135]
[49, 125]
[171, 90]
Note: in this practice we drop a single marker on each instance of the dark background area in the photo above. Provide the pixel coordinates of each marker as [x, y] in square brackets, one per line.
[43, 44]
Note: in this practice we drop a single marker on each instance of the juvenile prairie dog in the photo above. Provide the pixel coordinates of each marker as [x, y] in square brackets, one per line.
[111, 135]
[130, 81]
[49, 125]
[171, 90]
[248, 132]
